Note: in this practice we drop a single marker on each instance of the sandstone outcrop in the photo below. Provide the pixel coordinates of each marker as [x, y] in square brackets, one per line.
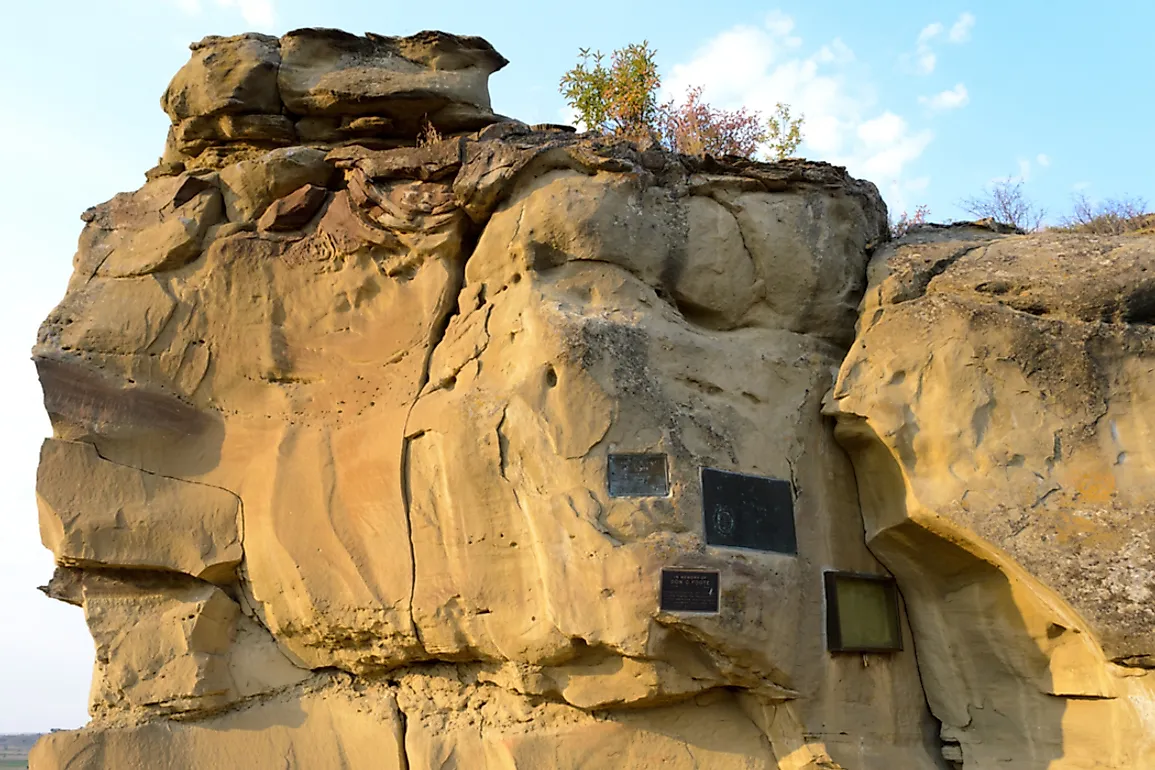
[997, 404]
[336, 413]
[243, 95]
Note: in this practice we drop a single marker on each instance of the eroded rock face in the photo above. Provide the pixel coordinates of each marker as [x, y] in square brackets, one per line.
[241, 96]
[997, 404]
[333, 421]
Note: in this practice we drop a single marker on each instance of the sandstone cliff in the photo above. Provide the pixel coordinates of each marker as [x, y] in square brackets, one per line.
[334, 412]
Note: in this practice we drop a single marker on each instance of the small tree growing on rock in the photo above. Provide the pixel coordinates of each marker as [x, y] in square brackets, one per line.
[784, 132]
[1006, 203]
[695, 128]
[905, 223]
[621, 99]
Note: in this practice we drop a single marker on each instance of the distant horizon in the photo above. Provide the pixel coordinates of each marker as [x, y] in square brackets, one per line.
[929, 104]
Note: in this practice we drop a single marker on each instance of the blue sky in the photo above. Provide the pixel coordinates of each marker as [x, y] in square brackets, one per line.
[929, 101]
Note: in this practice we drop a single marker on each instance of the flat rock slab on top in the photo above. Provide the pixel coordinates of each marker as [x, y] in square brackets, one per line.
[324, 85]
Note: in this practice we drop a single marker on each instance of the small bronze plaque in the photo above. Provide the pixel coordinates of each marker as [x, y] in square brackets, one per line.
[862, 613]
[638, 475]
[689, 590]
[745, 511]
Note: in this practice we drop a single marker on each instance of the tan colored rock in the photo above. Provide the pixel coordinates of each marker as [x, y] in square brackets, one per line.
[96, 513]
[420, 444]
[230, 75]
[401, 388]
[168, 646]
[251, 185]
[334, 727]
[157, 228]
[994, 405]
[192, 135]
[430, 76]
[454, 724]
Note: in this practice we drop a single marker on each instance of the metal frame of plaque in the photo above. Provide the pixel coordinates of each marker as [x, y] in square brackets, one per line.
[637, 475]
[690, 590]
[745, 511]
[834, 640]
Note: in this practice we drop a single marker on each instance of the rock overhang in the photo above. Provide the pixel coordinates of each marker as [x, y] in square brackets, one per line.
[406, 363]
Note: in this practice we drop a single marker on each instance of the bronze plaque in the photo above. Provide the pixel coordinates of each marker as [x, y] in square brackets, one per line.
[744, 511]
[690, 590]
[862, 613]
[638, 475]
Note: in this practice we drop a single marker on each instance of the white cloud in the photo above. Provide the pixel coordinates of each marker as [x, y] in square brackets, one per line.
[1080, 186]
[930, 32]
[259, 13]
[1026, 167]
[885, 129]
[951, 99]
[781, 26]
[960, 31]
[924, 59]
[758, 66]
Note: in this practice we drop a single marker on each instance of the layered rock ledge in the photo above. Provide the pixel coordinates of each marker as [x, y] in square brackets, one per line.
[334, 398]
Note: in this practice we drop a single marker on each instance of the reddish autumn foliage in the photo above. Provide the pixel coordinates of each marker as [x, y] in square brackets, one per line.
[621, 99]
[695, 128]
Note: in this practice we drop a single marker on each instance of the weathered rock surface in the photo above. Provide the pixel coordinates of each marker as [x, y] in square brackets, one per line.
[241, 96]
[94, 513]
[997, 405]
[329, 474]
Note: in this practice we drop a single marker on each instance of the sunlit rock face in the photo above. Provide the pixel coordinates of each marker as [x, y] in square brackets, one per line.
[334, 412]
[998, 405]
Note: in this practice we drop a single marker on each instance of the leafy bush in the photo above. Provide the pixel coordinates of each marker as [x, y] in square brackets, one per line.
[696, 128]
[784, 132]
[905, 223]
[621, 99]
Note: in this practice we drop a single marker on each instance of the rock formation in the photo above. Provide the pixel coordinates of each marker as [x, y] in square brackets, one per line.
[337, 396]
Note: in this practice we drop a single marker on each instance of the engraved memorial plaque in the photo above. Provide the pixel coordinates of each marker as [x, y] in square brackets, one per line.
[638, 475]
[690, 590]
[862, 613]
[746, 511]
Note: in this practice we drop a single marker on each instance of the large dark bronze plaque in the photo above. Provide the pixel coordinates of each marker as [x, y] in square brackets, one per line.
[748, 511]
[862, 613]
[689, 590]
[638, 475]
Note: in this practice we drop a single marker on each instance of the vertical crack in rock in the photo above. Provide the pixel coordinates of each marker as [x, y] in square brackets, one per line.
[448, 308]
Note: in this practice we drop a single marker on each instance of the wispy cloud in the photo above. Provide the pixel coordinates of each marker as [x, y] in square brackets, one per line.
[1026, 168]
[759, 66]
[259, 13]
[924, 59]
[951, 99]
[960, 31]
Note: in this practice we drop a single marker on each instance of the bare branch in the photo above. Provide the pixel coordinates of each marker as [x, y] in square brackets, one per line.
[1006, 203]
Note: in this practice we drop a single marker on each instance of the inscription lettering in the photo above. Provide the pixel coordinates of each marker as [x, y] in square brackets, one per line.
[638, 475]
[690, 590]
